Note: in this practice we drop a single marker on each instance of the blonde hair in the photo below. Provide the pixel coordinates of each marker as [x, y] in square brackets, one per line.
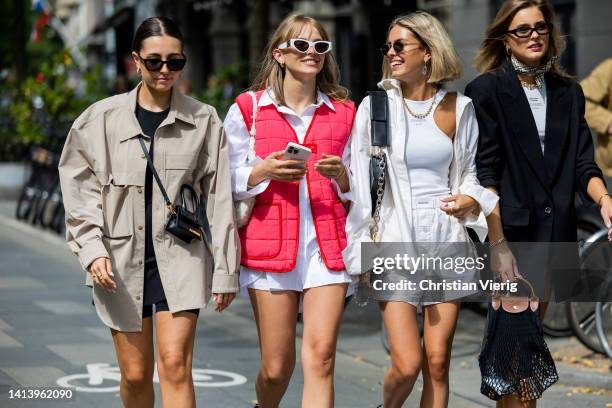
[271, 74]
[444, 64]
[492, 52]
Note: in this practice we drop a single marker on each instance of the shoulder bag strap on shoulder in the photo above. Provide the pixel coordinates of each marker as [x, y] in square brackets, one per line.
[155, 175]
[379, 116]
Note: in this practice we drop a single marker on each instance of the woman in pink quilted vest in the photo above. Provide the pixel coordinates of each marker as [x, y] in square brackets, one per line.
[293, 241]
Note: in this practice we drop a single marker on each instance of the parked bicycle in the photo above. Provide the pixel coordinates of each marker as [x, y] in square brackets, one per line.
[40, 200]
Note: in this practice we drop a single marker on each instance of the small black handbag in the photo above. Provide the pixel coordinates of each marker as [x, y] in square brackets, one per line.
[185, 224]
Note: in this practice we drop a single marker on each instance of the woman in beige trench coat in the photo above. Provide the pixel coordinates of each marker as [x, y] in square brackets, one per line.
[115, 217]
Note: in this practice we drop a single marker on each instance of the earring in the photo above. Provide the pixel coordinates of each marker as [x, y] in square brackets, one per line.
[425, 70]
[282, 64]
[508, 51]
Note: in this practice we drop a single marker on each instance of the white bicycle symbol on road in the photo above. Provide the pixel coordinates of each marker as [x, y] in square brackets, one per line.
[99, 375]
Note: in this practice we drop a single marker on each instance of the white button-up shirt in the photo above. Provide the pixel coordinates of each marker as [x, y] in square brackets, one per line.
[310, 270]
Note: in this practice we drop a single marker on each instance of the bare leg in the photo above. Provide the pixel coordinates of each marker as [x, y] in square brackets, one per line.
[136, 363]
[439, 321]
[406, 354]
[175, 338]
[276, 318]
[513, 401]
[322, 313]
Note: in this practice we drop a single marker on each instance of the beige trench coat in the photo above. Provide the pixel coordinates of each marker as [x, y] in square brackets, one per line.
[597, 88]
[102, 173]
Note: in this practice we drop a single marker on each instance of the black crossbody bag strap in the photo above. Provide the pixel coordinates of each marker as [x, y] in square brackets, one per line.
[155, 175]
[379, 116]
[379, 133]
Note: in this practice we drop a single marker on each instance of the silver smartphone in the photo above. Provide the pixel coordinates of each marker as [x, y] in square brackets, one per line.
[294, 151]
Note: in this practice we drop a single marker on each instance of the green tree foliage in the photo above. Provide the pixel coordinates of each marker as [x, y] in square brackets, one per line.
[46, 103]
[224, 85]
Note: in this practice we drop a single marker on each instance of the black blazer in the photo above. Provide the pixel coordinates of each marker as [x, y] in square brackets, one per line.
[536, 191]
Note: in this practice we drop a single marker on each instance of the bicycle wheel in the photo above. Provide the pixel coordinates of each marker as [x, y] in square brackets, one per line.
[26, 197]
[49, 207]
[603, 324]
[59, 218]
[555, 322]
[581, 316]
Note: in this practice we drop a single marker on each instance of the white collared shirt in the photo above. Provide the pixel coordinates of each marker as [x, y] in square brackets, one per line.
[310, 271]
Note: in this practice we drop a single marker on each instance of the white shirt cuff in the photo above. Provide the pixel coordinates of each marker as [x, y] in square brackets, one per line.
[344, 197]
[241, 180]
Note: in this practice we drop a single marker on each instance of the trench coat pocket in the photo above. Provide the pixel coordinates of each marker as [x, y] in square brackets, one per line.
[180, 161]
[117, 206]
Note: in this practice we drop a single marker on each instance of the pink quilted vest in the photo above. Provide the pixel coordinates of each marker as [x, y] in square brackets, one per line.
[270, 239]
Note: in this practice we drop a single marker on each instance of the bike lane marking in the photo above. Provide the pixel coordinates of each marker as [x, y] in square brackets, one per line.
[99, 373]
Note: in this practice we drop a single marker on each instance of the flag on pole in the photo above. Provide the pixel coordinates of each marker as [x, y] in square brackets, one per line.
[42, 20]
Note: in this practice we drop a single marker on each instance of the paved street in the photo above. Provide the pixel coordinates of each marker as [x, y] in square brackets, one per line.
[49, 330]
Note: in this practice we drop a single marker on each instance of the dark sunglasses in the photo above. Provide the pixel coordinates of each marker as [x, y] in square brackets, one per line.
[320, 47]
[156, 64]
[398, 46]
[526, 32]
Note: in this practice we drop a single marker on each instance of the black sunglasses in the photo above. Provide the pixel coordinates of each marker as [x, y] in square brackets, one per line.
[156, 64]
[398, 46]
[526, 32]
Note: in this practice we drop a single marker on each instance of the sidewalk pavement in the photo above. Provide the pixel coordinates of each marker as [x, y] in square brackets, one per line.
[48, 330]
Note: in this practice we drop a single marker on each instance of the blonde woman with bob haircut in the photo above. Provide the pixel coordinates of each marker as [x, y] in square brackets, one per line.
[536, 152]
[431, 195]
[292, 245]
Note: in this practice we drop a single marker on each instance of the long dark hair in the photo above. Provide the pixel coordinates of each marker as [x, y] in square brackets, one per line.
[492, 52]
[155, 27]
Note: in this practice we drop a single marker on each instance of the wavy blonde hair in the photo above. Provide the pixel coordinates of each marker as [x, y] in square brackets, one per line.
[444, 63]
[492, 51]
[271, 74]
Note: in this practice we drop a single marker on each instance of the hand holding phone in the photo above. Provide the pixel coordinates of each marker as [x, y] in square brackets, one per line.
[295, 151]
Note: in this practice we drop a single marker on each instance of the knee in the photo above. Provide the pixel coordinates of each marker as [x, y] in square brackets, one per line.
[174, 367]
[406, 369]
[319, 357]
[136, 377]
[438, 366]
[277, 372]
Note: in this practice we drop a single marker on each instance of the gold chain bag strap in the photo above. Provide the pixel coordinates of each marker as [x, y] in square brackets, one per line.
[244, 208]
[379, 134]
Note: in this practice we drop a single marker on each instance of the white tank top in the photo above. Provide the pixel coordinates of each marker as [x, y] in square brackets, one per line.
[429, 151]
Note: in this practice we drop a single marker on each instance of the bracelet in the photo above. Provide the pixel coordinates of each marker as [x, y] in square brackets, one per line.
[602, 196]
[496, 243]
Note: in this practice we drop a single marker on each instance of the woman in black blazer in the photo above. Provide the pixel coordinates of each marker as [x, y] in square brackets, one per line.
[535, 148]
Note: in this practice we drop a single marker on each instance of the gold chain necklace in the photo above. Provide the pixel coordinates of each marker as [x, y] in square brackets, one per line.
[421, 115]
[530, 86]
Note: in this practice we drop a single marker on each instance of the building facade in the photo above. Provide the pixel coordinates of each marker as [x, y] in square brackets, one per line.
[221, 32]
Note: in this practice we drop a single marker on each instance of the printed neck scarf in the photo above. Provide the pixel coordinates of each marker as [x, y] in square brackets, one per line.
[536, 72]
